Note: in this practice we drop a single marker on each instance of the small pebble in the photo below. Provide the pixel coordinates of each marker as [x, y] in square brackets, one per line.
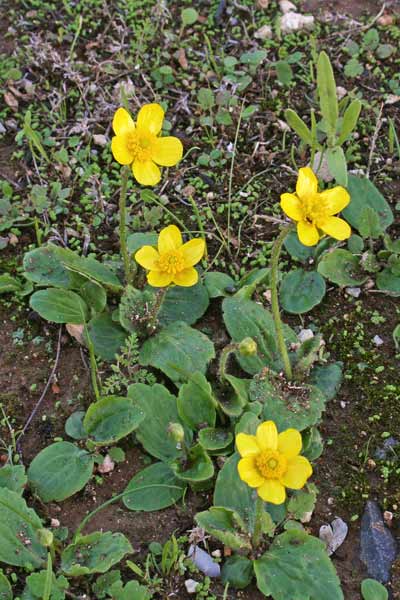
[263, 33]
[378, 341]
[305, 334]
[353, 291]
[286, 6]
[191, 586]
[55, 523]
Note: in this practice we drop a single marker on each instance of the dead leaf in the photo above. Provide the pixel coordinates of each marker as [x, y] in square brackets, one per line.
[11, 101]
[182, 60]
[333, 535]
[55, 388]
[76, 331]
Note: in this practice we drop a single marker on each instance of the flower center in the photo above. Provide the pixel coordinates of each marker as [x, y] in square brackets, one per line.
[171, 262]
[139, 146]
[314, 209]
[271, 464]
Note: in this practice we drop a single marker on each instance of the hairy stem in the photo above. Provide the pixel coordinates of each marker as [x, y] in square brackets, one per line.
[122, 225]
[257, 532]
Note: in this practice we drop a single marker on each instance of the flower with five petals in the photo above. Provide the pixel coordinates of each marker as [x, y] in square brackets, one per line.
[314, 211]
[173, 261]
[271, 462]
[140, 145]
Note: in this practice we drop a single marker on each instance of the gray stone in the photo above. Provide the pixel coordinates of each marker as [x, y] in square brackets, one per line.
[204, 561]
[378, 546]
[388, 449]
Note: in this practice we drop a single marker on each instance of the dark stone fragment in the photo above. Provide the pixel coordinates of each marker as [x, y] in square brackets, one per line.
[378, 546]
[388, 449]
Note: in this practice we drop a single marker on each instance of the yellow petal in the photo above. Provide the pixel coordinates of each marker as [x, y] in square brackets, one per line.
[307, 183]
[298, 471]
[248, 472]
[336, 228]
[193, 251]
[148, 258]
[247, 445]
[167, 151]
[186, 278]
[291, 206]
[272, 491]
[267, 436]
[290, 443]
[120, 150]
[170, 238]
[122, 122]
[146, 173]
[335, 199]
[150, 118]
[308, 233]
[158, 279]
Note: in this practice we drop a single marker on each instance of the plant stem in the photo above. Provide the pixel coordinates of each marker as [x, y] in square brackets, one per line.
[94, 375]
[276, 252]
[122, 224]
[160, 295]
[257, 532]
[199, 223]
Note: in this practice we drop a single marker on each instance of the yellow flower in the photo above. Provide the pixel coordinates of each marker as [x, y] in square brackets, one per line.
[314, 210]
[174, 261]
[139, 144]
[271, 462]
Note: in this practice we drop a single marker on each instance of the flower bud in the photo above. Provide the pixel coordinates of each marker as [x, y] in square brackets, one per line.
[45, 537]
[248, 347]
[175, 430]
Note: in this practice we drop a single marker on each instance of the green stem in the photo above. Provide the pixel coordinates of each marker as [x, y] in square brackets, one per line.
[276, 251]
[37, 231]
[152, 325]
[257, 532]
[94, 374]
[122, 225]
[199, 223]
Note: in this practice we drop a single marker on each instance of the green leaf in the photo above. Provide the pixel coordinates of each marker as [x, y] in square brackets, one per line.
[371, 39]
[355, 244]
[327, 92]
[59, 471]
[159, 407]
[245, 318]
[297, 567]
[302, 502]
[284, 72]
[106, 336]
[231, 492]
[43, 266]
[219, 284]
[177, 350]
[135, 241]
[233, 403]
[94, 553]
[297, 250]
[299, 408]
[312, 444]
[135, 309]
[36, 584]
[5, 588]
[369, 225]
[74, 425]
[112, 418]
[328, 378]
[337, 164]
[300, 291]
[132, 591]
[342, 267]
[373, 590]
[88, 267]
[94, 295]
[205, 98]
[189, 16]
[154, 488]
[349, 121]
[363, 193]
[225, 525]
[196, 403]
[9, 284]
[298, 125]
[19, 543]
[389, 282]
[385, 50]
[59, 306]
[353, 68]
[196, 467]
[237, 571]
[186, 304]
[14, 478]
[215, 439]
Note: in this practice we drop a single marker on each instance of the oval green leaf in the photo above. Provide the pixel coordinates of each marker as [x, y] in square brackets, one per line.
[60, 306]
[111, 419]
[301, 290]
[154, 488]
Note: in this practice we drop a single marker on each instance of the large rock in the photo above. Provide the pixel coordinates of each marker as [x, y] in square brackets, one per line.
[378, 546]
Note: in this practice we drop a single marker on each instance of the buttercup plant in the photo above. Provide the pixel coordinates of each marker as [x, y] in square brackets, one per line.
[140, 147]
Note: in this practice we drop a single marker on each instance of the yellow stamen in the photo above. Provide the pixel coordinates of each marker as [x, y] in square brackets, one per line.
[171, 262]
[271, 464]
[140, 147]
